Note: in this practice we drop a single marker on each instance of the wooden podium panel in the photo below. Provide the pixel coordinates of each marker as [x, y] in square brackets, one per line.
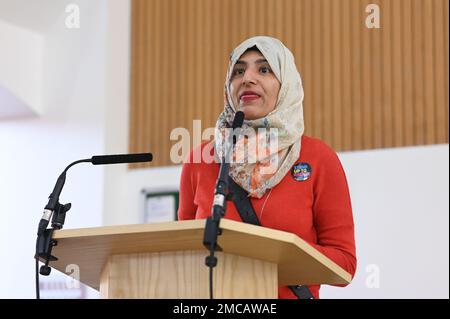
[95, 249]
[144, 275]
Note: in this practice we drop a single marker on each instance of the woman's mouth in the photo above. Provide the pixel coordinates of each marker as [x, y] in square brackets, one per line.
[249, 96]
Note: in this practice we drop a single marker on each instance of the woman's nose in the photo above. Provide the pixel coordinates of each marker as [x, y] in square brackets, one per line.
[249, 77]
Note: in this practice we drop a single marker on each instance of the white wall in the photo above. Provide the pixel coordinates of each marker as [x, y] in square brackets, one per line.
[21, 67]
[33, 152]
[122, 188]
[400, 200]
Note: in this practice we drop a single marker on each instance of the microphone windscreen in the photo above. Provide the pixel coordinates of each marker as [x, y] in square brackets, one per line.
[122, 158]
[238, 120]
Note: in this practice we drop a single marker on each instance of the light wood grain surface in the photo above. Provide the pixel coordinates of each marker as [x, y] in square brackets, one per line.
[298, 262]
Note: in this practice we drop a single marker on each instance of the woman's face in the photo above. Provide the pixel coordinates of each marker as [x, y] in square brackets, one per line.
[254, 87]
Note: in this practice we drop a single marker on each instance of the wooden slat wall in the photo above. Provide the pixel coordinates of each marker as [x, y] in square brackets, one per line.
[364, 88]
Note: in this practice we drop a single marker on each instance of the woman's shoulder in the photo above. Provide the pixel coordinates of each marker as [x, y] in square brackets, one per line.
[315, 144]
[316, 148]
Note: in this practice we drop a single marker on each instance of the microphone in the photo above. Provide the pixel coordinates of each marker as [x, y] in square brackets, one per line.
[121, 158]
[212, 230]
[220, 193]
[237, 124]
[238, 120]
[95, 160]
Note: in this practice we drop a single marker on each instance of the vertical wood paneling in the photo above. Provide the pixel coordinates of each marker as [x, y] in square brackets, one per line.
[279, 22]
[396, 19]
[252, 27]
[304, 64]
[318, 69]
[418, 77]
[335, 105]
[190, 52]
[157, 68]
[386, 78]
[367, 81]
[441, 78]
[327, 68]
[356, 75]
[181, 67]
[288, 18]
[346, 76]
[428, 63]
[446, 58]
[364, 88]
[208, 59]
[408, 73]
[376, 70]
[196, 76]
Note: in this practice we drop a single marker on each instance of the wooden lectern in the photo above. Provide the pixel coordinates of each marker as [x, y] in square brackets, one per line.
[167, 260]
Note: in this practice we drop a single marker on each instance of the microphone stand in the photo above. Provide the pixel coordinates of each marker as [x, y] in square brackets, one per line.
[212, 230]
[221, 195]
[56, 211]
[45, 242]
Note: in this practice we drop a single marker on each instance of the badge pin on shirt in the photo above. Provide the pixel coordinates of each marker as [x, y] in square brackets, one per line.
[301, 172]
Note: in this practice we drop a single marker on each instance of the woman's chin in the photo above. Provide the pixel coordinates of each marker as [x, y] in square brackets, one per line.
[250, 112]
[249, 116]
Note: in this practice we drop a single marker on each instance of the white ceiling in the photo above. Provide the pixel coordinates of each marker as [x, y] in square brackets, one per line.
[36, 15]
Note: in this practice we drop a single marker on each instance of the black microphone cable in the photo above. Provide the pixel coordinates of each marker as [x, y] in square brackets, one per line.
[38, 294]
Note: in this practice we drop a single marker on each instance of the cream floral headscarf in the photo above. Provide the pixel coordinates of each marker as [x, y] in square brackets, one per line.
[253, 174]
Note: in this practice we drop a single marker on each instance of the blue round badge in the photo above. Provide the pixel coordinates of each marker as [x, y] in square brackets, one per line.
[301, 171]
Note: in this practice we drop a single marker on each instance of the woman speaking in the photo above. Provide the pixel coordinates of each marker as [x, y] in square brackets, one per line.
[295, 183]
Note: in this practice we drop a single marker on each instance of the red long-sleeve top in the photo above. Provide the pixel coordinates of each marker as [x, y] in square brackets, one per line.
[317, 209]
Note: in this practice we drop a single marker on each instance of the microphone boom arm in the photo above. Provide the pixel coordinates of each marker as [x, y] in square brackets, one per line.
[57, 212]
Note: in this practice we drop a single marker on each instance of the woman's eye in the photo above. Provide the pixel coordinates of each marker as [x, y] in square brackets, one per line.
[238, 72]
[265, 70]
